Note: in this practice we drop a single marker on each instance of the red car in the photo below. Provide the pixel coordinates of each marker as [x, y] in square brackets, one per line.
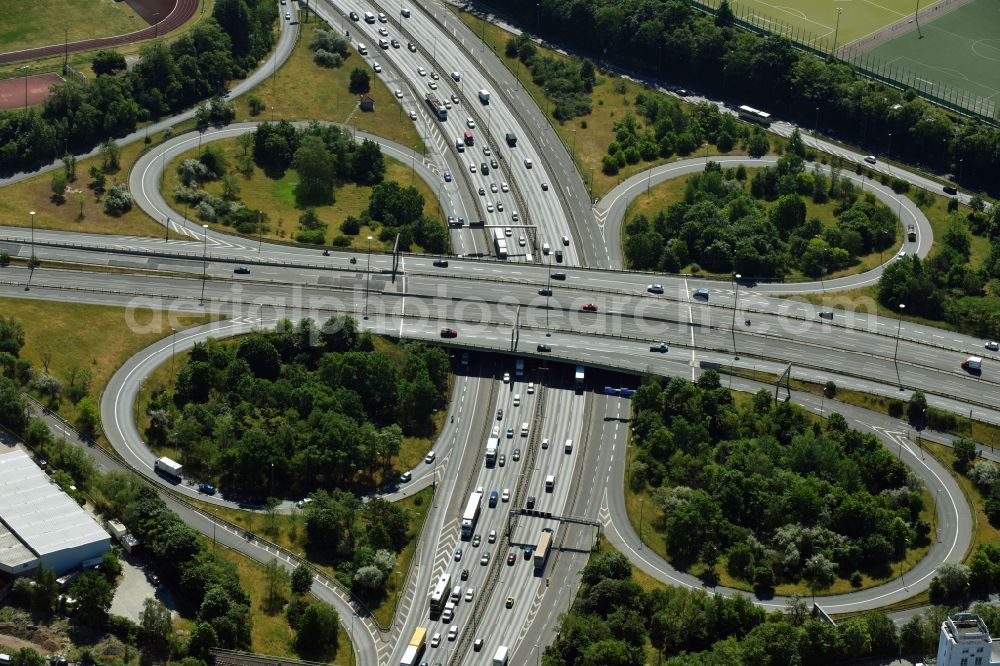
[449, 333]
[589, 307]
[511, 558]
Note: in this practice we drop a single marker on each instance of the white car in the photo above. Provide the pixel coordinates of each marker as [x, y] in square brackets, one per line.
[993, 346]
[506, 378]
[870, 159]
[496, 431]
[435, 76]
[436, 640]
[517, 399]
[487, 151]
[655, 288]
[469, 593]
[454, 99]
[504, 187]
[453, 633]
[531, 387]
[499, 206]
[383, 32]
[505, 497]
[545, 442]
[472, 167]
[432, 85]
[288, 16]
[515, 217]
[493, 188]
[405, 12]
[527, 163]
[492, 538]
[421, 71]
[508, 232]
[377, 67]
[456, 76]
[382, 18]
[902, 253]
[470, 123]
[522, 241]
[398, 93]
[413, 115]
[429, 458]
[489, 208]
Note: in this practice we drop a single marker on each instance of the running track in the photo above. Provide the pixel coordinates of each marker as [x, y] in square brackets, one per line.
[182, 11]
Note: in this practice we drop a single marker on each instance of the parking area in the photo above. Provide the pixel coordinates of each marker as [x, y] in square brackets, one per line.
[135, 587]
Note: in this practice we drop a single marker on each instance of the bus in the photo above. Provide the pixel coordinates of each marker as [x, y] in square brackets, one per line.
[500, 243]
[411, 657]
[753, 115]
[542, 549]
[440, 594]
[471, 515]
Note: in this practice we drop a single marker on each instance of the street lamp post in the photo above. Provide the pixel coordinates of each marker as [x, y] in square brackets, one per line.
[642, 505]
[548, 292]
[368, 277]
[836, 32]
[173, 349]
[204, 261]
[32, 238]
[26, 68]
[895, 354]
[736, 305]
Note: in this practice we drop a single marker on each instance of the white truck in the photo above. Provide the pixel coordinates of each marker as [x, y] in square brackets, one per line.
[501, 656]
[169, 467]
[484, 96]
[973, 364]
[491, 450]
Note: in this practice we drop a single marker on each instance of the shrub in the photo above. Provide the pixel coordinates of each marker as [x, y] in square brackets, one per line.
[311, 236]
[206, 212]
[324, 58]
[351, 226]
[341, 241]
[256, 105]
[118, 201]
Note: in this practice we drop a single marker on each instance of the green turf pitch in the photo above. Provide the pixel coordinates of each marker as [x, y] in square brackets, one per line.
[960, 49]
[818, 18]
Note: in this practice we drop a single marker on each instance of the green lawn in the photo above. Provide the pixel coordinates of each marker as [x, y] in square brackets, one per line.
[276, 197]
[25, 26]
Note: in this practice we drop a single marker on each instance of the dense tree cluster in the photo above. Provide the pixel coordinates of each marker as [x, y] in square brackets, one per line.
[330, 48]
[778, 498]
[309, 408]
[672, 39]
[166, 79]
[400, 210]
[760, 230]
[945, 287]
[612, 619]
[568, 84]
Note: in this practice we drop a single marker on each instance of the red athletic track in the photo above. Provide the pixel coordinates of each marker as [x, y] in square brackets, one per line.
[179, 15]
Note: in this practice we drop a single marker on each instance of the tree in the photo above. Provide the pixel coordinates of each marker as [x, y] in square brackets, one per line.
[368, 165]
[951, 582]
[203, 638]
[819, 573]
[118, 201]
[11, 335]
[27, 657]
[93, 594]
[317, 631]
[108, 62]
[302, 578]
[317, 168]
[156, 624]
[58, 186]
[277, 584]
[587, 74]
[255, 105]
[369, 578]
[757, 144]
[87, 416]
[97, 181]
[110, 156]
[965, 453]
[69, 167]
[360, 81]
[916, 410]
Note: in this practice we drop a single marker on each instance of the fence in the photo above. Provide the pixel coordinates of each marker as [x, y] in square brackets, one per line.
[959, 101]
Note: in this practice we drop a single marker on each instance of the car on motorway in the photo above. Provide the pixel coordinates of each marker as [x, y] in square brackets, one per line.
[558, 276]
[516, 455]
[441, 263]
[489, 207]
[508, 232]
[413, 115]
[355, 17]
[701, 294]
[405, 12]
[506, 378]
[486, 151]
[950, 189]
[504, 187]
[510, 602]
[485, 559]
[493, 163]
[241, 270]
[398, 93]
[902, 253]
[453, 632]
[382, 18]
[515, 217]
[435, 76]
[658, 347]
[521, 240]
[411, 46]
[502, 460]
[527, 163]
[993, 346]
[870, 159]
[458, 554]
[492, 537]
[493, 499]
[545, 442]
[469, 593]
[510, 433]
[531, 502]
[478, 645]
[421, 71]
[429, 458]
[505, 497]
[476, 540]
[449, 333]
[456, 76]
[383, 32]
[511, 558]
[405, 477]
[559, 256]
[447, 176]
[482, 191]
[436, 640]
[377, 67]
[611, 390]
[432, 85]
[206, 488]
[288, 16]
[544, 291]
[499, 414]
[626, 392]
[545, 187]
[472, 167]
[470, 123]
[544, 348]
[655, 288]
[465, 574]
[499, 206]
[454, 99]
[493, 188]
[589, 307]
[395, 43]
[496, 431]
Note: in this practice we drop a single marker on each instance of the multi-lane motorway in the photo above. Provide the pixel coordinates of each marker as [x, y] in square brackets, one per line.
[498, 306]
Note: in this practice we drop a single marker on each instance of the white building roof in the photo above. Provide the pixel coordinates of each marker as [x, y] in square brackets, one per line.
[42, 516]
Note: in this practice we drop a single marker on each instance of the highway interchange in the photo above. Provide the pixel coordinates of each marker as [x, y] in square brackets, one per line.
[496, 306]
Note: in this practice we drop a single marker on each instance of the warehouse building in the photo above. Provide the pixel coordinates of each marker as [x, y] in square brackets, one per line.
[40, 524]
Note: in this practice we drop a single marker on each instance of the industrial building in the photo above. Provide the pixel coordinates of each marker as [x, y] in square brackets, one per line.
[965, 641]
[40, 524]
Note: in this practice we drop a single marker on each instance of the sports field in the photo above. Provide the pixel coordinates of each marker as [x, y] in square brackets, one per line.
[815, 21]
[27, 24]
[959, 49]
